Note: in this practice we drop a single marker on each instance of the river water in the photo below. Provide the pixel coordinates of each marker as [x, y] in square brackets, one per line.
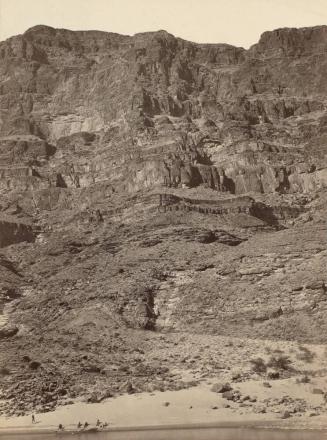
[181, 434]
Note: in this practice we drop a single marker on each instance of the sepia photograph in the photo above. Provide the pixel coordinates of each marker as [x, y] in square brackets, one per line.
[163, 209]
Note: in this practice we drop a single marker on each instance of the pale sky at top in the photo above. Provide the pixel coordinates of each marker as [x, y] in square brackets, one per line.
[237, 22]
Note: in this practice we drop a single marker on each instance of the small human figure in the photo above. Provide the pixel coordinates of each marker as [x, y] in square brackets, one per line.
[98, 422]
[60, 427]
[86, 425]
[33, 418]
[79, 425]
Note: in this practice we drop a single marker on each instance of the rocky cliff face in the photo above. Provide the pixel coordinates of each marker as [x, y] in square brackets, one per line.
[150, 182]
[165, 111]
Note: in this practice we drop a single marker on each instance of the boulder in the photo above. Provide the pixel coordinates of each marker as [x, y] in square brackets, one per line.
[317, 391]
[285, 414]
[8, 331]
[34, 365]
[221, 387]
[273, 375]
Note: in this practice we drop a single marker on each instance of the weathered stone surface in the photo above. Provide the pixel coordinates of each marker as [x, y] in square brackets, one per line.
[12, 231]
[8, 331]
[169, 124]
[221, 388]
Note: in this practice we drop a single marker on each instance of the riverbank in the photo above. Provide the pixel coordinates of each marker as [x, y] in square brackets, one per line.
[223, 431]
[194, 406]
[254, 426]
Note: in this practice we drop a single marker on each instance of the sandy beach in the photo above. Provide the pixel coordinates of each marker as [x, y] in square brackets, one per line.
[194, 406]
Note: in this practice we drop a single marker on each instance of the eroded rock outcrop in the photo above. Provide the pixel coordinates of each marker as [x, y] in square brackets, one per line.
[166, 110]
[12, 231]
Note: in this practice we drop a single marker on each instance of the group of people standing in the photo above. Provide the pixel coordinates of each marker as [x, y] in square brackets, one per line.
[80, 425]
